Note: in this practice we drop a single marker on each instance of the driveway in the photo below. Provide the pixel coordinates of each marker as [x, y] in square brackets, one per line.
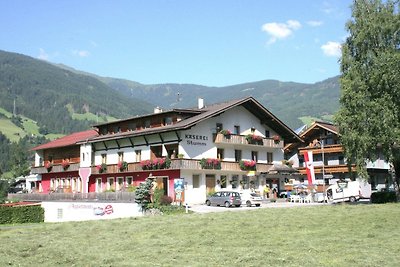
[203, 208]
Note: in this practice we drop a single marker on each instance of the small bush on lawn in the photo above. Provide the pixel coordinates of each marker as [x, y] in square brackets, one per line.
[383, 197]
[21, 214]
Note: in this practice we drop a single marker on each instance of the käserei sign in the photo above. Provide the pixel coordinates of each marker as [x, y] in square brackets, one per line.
[196, 140]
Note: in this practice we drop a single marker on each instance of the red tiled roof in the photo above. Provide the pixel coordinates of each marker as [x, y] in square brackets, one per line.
[68, 140]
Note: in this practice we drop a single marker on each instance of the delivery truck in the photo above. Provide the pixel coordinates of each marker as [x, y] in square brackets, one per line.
[351, 191]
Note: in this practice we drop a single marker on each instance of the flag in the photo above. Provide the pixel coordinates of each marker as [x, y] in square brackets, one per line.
[308, 158]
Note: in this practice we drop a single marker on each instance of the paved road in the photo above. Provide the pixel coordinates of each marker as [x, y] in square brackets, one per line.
[205, 209]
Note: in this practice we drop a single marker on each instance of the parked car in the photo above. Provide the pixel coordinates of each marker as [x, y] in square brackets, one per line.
[250, 198]
[224, 198]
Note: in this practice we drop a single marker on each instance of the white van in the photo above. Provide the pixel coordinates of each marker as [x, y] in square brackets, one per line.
[348, 191]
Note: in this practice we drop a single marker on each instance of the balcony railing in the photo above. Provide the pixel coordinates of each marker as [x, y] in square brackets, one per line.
[55, 168]
[187, 164]
[241, 140]
[105, 196]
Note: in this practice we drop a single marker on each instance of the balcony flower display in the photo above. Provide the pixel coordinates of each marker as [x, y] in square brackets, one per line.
[155, 164]
[48, 165]
[122, 165]
[226, 133]
[254, 139]
[65, 164]
[210, 163]
[247, 165]
[276, 139]
[101, 168]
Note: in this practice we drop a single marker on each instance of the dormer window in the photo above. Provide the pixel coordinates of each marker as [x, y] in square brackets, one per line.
[168, 121]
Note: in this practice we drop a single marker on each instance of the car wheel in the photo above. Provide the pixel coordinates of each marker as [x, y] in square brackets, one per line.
[248, 203]
[208, 202]
[257, 205]
[352, 199]
[227, 204]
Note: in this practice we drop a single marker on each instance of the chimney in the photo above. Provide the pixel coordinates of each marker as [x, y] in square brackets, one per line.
[200, 103]
[157, 110]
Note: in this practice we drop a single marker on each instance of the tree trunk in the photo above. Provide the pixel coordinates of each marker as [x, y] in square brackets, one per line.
[395, 173]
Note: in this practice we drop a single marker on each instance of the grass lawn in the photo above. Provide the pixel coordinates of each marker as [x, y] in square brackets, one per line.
[341, 235]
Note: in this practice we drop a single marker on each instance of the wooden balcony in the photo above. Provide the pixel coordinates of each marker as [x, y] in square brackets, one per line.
[329, 169]
[119, 196]
[186, 164]
[328, 149]
[241, 140]
[55, 168]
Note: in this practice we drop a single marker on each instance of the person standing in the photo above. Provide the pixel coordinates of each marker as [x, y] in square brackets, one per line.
[267, 190]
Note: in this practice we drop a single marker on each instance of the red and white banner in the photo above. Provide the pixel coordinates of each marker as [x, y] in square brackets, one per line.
[308, 159]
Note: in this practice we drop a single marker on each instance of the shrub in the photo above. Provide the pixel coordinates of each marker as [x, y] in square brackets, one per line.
[21, 214]
[383, 197]
[165, 200]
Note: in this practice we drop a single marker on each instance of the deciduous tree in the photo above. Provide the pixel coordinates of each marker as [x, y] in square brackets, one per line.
[369, 116]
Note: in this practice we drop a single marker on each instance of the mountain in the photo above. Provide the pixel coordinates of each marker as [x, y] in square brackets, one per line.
[58, 100]
[291, 102]
[294, 103]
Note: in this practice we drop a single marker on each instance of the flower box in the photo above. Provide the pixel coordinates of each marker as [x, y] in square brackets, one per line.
[101, 168]
[276, 139]
[254, 139]
[122, 165]
[226, 133]
[155, 164]
[65, 164]
[210, 163]
[48, 165]
[247, 165]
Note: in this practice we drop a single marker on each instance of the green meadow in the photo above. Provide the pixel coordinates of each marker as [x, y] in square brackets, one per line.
[331, 235]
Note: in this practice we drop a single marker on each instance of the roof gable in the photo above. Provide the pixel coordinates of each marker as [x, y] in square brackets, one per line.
[68, 140]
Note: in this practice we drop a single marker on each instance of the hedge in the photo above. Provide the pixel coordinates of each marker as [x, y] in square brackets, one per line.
[383, 197]
[21, 214]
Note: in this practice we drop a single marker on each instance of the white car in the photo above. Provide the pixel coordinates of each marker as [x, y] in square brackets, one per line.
[250, 198]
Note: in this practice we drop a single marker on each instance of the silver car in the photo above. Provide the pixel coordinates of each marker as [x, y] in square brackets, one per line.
[224, 198]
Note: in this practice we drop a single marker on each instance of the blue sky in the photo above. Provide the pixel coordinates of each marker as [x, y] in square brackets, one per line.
[208, 42]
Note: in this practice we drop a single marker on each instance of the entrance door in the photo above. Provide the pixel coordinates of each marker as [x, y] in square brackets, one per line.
[162, 183]
[210, 183]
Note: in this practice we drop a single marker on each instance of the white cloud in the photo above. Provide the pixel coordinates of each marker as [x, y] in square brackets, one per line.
[314, 23]
[332, 49]
[42, 54]
[280, 30]
[81, 53]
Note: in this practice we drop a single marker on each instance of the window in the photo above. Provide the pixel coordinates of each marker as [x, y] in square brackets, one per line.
[120, 183]
[167, 121]
[196, 181]
[132, 126]
[83, 156]
[254, 155]
[138, 155]
[98, 185]
[110, 183]
[220, 153]
[234, 181]
[147, 124]
[52, 184]
[238, 155]
[129, 180]
[270, 157]
[104, 158]
[219, 127]
[120, 156]
[223, 181]
[236, 129]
